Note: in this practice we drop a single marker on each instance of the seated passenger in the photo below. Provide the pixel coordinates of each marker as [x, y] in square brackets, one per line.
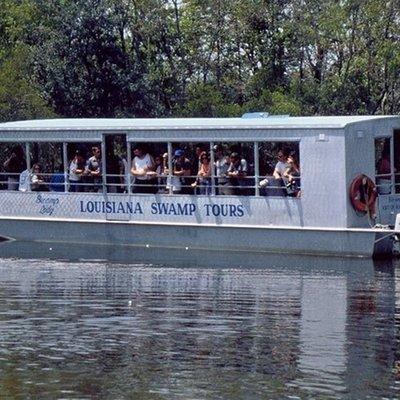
[180, 170]
[292, 177]
[142, 165]
[237, 173]
[57, 180]
[221, 164]
[76, 170]
[203, 180]
[14, 165]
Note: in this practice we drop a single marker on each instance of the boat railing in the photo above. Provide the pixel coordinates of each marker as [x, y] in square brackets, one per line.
[250, 185]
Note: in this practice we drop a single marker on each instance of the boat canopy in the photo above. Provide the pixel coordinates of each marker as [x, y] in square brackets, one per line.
[92, 129]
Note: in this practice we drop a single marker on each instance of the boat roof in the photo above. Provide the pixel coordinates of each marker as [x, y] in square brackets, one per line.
[132, 124]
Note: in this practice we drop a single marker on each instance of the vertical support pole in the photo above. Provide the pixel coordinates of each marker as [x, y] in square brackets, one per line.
[65, 166]
[256, 169]
[129, 162]
[28, 156]
[212, 166]
[103, 165]
[392, 170]
[170, 167]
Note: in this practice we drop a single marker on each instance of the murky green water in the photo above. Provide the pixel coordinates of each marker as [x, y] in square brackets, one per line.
[196, 326]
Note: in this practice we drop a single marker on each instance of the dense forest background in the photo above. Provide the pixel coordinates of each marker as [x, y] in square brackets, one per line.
[162, 58]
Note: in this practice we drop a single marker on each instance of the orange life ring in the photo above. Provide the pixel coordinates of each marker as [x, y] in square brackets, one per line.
[363, 194]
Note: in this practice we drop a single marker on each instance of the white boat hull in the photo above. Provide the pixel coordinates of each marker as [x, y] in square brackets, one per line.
[232, 238]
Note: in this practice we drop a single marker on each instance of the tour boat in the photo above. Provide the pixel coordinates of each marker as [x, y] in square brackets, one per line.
[346, 203]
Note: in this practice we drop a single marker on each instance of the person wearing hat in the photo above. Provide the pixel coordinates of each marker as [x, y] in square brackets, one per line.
[181, 169]
[221, 164]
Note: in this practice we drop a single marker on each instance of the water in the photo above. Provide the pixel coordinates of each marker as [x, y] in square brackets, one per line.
[164, 324]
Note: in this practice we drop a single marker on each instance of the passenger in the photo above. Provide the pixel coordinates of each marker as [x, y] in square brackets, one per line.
[159, 173]
[143, 163]
[281, 167]
[93, 172]
[76, 169]
[180, 170]
[36, 178]
[292, 177]
[271, 186]
[221, 164]
[383, 170]
[203, 180]
[237, 173]
[14, 165]
[24, 184]
[199, 149]
[57, 180]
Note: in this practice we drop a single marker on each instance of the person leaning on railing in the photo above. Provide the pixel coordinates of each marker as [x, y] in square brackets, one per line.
[237, 173]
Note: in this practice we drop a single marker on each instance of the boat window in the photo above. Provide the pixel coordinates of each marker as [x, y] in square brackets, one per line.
[116, 161]
[234, 172]
[12, 163]
[383, 166]
[280, 171]
[195, 168]
[149, 167]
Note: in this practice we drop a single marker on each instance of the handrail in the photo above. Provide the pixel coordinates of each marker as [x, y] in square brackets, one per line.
[87, 183]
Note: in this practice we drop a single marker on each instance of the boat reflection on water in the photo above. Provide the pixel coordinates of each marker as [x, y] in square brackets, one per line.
[169, 321]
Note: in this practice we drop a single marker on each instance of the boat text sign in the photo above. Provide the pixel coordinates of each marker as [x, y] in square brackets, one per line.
[154, 208]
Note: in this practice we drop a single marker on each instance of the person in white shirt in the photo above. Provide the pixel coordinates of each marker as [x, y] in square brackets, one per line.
[31, 180]
[142, 164]
[282, 164]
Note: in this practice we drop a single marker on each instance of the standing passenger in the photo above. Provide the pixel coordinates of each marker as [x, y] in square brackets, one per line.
[237, 173]
[180, 170]
[221, 169]
[281, 167]
[203, 180]
[76, 169]
[93, 170]
[143, 163]
[57, 180]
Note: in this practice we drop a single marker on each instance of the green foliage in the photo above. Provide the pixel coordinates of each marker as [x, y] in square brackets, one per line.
[19, 97]
[154, 58]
